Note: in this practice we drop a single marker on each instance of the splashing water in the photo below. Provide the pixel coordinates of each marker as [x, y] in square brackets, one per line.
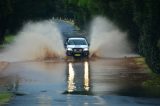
[41, 40]
[37, 40]
[106, 40]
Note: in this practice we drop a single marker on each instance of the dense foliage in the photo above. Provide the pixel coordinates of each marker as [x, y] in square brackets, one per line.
[14, 13]
[139, 17]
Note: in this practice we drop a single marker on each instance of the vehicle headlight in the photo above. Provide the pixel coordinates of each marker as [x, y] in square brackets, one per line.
[85, 49]
[70, 49]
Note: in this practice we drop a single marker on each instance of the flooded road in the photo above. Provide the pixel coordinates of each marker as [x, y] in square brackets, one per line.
[95, 82]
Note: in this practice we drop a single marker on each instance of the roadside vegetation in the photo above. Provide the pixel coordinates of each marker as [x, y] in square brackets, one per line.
[154, 79]
[153, 82]
[5, 97]
[140, 18]
[7, 40]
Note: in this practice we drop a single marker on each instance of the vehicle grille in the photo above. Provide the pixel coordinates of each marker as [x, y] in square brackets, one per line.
[77, 50]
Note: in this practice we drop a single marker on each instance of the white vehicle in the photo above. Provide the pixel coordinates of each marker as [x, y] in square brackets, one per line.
[77, 47]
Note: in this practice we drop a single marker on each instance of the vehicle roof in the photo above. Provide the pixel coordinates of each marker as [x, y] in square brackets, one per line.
[82, 38]
[76, 38]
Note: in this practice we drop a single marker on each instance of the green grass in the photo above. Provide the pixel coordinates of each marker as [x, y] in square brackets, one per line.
[154, 80]
[141, 62]
[5, 97]
[7, 40]
[1, 46]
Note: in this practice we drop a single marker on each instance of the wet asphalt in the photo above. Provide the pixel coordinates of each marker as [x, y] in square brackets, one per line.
[95, 82]
[92, 82]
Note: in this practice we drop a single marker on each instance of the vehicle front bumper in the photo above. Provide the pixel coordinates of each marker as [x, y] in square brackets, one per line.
[77, 54]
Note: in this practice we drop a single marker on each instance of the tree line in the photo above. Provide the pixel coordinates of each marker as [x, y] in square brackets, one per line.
[140, 18]
[14, 13]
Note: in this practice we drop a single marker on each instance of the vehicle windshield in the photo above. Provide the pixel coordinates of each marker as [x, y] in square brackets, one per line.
[77, 42]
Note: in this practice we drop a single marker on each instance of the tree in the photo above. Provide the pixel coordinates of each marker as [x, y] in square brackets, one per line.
[5, 11]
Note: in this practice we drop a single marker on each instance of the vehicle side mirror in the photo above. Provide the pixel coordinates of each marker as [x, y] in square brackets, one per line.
[88, 44]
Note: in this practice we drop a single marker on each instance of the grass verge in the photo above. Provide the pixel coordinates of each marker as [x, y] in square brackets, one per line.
[140, 61]
[154, 81]
[5, 97]
[7, 40]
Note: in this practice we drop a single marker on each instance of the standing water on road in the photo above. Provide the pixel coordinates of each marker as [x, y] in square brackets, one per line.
[88, 82]
[100, 82]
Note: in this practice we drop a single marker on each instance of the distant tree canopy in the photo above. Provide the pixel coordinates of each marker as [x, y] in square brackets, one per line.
[140, 18]
[14, 13]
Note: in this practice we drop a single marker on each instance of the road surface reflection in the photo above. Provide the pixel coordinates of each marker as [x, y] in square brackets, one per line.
[106, 82]
[78, 78]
